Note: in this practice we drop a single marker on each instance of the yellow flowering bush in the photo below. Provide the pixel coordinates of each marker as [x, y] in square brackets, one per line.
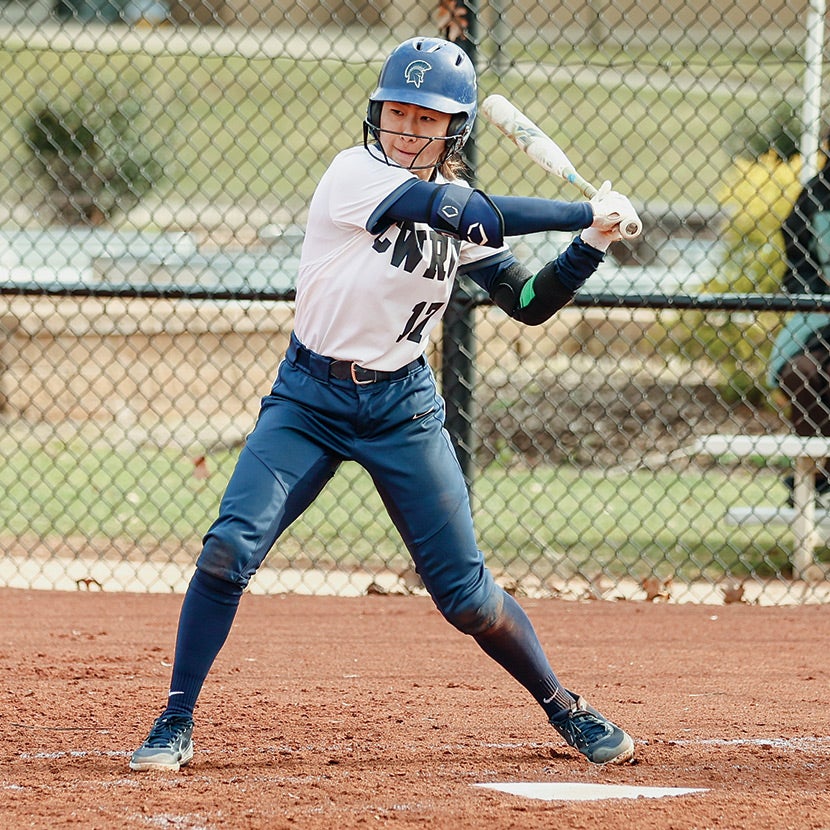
[756, 197]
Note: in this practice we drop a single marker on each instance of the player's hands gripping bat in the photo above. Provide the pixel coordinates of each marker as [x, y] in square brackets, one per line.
[549, 155]
[611, 211]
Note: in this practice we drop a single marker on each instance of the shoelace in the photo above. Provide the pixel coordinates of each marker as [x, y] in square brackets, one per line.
[165, 731]
[586, 728]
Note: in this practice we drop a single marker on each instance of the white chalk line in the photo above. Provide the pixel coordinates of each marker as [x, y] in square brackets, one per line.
[546, 791]
[809, 743]
[818, 744]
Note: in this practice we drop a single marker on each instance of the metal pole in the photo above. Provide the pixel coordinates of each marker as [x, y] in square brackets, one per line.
[811, 106]
[500, 32]
[458, 343]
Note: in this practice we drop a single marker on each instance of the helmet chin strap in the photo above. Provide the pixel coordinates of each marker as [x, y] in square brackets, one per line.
[375, 131]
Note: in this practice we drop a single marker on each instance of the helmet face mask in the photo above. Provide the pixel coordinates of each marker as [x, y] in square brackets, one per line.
[376, 132]
[430, 73]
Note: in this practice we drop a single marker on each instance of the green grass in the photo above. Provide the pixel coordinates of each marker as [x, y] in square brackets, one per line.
[560, 520]
[548, 521]
[265, 129]
[74, 489]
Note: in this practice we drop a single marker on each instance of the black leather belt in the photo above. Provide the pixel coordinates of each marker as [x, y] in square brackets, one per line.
[319, 365]
[349, 370]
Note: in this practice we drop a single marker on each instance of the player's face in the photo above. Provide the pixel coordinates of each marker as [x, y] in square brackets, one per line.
[418, 125]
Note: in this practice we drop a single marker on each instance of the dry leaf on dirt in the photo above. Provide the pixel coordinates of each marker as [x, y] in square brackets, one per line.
[411, 579]
[657, 589]
[733, 592]
[597, 588]
[377, 590]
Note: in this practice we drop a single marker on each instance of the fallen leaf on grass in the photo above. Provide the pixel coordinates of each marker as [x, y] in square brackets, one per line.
[200, 468]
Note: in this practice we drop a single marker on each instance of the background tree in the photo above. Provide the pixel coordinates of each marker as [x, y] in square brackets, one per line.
[100, 151]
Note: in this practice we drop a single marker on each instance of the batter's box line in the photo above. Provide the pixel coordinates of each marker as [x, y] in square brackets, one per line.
[102, 729]
[804, 744]
[74, 753]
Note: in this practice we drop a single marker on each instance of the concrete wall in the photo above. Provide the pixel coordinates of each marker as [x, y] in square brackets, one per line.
[205, 365]
[161, 363]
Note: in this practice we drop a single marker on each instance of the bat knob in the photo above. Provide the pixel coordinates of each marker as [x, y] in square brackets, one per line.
[631, 229]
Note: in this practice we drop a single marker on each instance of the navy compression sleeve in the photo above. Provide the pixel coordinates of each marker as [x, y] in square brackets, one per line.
[520, 214]
[527, 214]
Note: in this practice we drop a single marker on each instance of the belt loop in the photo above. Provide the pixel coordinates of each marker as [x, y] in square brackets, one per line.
[318, 365]
[293, 348]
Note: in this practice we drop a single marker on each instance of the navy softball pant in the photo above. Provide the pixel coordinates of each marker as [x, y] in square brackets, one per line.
[311, 422]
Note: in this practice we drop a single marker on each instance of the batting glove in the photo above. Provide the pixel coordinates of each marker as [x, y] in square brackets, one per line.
[610, 207]
[601, 240]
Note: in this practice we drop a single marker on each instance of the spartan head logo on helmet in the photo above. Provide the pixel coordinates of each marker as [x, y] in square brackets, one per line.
[415, 72]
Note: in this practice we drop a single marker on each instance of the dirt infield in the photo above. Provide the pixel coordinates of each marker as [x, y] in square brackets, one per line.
[352, 713]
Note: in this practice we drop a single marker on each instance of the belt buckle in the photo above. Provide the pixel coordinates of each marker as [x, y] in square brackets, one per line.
[353, 366]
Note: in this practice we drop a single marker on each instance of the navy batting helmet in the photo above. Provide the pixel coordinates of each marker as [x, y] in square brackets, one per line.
[433, 73]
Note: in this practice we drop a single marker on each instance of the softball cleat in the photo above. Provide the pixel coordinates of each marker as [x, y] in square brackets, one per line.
[168, 746]
[599, 740]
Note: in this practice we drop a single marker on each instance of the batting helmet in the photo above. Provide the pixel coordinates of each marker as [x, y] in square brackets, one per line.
[433, 73]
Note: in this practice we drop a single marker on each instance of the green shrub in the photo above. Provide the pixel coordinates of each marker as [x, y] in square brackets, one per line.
[102, 150]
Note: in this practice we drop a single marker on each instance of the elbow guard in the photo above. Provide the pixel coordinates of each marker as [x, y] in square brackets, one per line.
[468, 214]
[530, 299]
[542, 296]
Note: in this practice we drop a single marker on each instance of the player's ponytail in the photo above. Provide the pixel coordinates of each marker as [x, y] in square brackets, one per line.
[454, 167]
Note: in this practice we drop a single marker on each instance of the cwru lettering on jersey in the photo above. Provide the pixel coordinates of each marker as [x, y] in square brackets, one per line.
[408, 250]
[444, 256]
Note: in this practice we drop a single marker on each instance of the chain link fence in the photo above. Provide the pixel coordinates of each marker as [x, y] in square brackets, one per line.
[157, 160]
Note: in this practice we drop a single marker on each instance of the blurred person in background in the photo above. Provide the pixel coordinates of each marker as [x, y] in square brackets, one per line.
[800, 357]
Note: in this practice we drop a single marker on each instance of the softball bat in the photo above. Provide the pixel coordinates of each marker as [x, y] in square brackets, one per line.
[540, 147]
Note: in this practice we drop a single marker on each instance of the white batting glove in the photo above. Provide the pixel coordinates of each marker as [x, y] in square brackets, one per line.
[601, 240]
[610, 207]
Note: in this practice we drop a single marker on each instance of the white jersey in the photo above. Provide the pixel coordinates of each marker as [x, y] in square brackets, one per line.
[373, 299]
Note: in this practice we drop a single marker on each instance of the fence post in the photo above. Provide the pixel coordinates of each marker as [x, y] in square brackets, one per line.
[459, 24]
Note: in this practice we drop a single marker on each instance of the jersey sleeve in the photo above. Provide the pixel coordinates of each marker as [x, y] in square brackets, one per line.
[474, 256]
[359, 185]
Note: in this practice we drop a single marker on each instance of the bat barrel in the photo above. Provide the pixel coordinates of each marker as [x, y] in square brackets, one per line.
[539, 146]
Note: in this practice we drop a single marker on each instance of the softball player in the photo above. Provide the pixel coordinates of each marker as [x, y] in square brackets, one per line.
[389, 228]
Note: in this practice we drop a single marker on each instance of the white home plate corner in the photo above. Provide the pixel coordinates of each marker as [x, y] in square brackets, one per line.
[564, 791]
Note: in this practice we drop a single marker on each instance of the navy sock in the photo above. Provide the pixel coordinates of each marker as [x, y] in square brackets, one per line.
[513, 644]
[207, 614]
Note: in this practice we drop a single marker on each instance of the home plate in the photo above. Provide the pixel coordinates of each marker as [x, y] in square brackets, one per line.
[586, 792]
